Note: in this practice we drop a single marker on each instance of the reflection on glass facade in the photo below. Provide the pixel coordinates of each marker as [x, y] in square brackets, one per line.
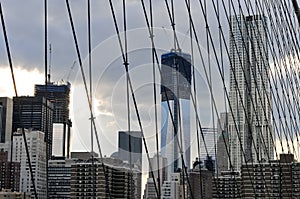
[175, 113]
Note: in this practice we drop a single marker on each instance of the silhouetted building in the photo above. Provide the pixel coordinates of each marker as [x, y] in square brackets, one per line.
[175, 93]
[6, 108]
[59, 96]
[36, 115]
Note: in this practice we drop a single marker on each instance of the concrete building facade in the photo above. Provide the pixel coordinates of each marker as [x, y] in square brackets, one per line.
[175, 108]
[88, 180]
[59, 178]
[37, 150]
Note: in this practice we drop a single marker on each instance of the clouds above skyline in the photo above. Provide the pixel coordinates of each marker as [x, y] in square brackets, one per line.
[25, 27]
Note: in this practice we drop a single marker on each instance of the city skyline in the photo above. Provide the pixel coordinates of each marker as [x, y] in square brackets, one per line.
[190, 79]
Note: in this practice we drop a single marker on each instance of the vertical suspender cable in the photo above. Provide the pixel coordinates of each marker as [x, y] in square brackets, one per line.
[127, 95]
[107, 186]
[159, 181]
[91, 94]
[47, 130]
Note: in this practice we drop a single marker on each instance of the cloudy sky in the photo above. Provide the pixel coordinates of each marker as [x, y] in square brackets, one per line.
[25, 29]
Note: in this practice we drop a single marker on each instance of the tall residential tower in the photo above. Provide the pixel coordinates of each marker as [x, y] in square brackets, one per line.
[250, 120]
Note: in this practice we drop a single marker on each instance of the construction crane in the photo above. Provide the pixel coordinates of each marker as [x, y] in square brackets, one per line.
[69, 72]
[71, 69]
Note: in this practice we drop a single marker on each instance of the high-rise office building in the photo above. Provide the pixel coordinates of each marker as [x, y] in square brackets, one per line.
[135, 147]
[130, 150]
[249, 94]
[175, 95]
[59, 96]
[6, 108]
[37, 151]
[36, 114]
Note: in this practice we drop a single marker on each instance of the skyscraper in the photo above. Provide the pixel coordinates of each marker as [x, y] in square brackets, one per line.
[175, 94]
[135, 144]
[249, 91]
[6, 108]
[130, 150]
[36, 114]
[59, 96]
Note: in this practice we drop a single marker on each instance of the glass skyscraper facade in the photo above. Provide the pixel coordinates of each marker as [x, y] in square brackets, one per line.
[59, 95]
[175, 105]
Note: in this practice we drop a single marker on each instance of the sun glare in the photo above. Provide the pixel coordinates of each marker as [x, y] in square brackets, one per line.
[25, 81]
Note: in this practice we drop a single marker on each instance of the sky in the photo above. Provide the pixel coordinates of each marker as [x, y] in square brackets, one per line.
[25, 28]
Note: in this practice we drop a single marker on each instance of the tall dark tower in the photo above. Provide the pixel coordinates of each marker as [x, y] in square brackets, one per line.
[36, 114]
[175, 91]
[135, 137]
[59, 96]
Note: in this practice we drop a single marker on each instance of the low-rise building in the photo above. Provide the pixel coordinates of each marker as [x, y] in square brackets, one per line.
[275, 179]
[94, 179]
[227, 185]
[59, 178]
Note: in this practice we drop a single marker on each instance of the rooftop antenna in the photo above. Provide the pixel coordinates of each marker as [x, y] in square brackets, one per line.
[49, 73]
